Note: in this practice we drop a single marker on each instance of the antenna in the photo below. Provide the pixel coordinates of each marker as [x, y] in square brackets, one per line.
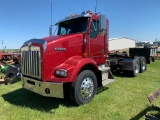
[50, 28]
[83, 5]
[2, 44]
[51, 13]
[96, 7]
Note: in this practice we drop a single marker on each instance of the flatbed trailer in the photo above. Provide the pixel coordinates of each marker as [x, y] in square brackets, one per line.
[148, 53]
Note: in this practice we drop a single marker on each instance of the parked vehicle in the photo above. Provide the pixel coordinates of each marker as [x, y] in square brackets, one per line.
[148, 53]
[6, 56]
[75, 62]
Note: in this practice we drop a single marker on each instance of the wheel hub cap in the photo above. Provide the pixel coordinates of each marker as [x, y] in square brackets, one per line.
[87, 88]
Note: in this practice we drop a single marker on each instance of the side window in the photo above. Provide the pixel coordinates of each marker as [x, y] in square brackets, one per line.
[68, 31]
[94, 26]
[63, 31]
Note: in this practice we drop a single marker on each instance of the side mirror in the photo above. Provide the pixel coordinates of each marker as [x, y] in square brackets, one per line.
[102, 23]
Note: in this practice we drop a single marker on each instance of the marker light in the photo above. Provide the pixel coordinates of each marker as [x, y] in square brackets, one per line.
[72, 15]
[89, 12]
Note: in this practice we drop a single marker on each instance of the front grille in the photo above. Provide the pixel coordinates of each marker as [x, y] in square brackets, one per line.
[31, 61]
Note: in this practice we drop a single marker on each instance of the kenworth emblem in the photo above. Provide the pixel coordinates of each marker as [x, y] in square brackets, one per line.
[29, 45]
[60, 49]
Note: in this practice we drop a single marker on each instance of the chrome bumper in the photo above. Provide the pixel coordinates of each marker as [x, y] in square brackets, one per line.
[50, 89]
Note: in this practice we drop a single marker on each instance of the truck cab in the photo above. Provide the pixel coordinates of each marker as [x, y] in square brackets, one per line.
[71, 63]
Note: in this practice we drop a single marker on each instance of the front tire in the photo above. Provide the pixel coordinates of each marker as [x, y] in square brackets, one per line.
[84, 88]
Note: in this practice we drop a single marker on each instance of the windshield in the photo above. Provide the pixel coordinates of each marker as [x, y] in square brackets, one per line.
[73, 26]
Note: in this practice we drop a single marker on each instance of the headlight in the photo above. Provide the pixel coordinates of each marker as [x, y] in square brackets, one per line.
[61, 73]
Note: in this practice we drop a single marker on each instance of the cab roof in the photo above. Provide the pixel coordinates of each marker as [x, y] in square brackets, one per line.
[73, 16]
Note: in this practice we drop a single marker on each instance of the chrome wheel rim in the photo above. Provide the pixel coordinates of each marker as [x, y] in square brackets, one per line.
[143, 65]
[87, 88]
[137, 68]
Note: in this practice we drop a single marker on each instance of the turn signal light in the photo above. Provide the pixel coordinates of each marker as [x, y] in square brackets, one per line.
[85, 55]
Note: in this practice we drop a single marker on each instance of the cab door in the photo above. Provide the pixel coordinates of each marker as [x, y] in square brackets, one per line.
[96, 43]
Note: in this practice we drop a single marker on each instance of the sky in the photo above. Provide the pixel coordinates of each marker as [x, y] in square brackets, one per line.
[21, 20]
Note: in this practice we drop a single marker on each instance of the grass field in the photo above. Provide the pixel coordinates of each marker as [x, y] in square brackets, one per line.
[124, 99]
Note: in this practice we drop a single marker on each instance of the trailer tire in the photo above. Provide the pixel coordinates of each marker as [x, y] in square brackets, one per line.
[142, 64]
[153, 60]
[148, 61]
[136, 68]
[84, 88]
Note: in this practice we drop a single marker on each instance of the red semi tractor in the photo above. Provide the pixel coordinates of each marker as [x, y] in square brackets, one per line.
[75, 62]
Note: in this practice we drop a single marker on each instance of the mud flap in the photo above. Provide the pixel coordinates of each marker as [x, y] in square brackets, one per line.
[110, 75]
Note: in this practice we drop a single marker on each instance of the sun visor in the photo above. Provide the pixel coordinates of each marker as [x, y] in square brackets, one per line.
[73, 16]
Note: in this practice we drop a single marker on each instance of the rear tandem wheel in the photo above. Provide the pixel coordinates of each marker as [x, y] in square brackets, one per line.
[136, 68]
[142, 64]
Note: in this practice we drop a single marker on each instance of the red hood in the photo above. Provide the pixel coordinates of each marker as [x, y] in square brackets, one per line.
[58, 37]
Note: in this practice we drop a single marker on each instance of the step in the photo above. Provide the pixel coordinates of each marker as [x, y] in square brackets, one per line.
[105, 71]
[105, 74]
[103, 67]
[107, 81]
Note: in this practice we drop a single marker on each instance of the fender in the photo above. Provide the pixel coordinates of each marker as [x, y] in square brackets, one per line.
[74, 65]
[127, 63]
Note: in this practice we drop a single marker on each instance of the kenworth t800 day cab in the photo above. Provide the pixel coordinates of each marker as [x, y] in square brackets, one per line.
[74, 62]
